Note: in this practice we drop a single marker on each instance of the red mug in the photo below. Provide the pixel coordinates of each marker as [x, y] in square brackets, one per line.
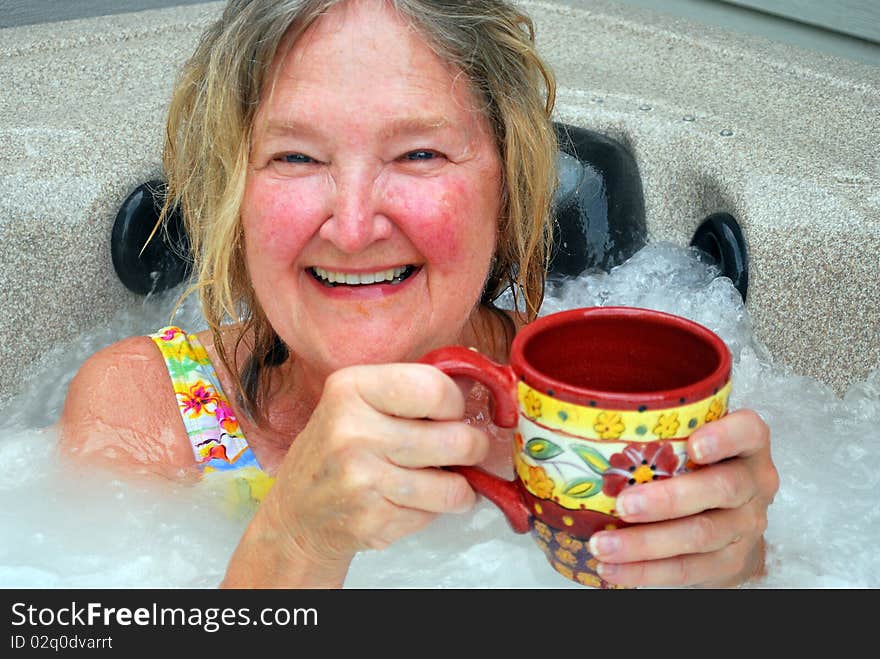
[603, 398]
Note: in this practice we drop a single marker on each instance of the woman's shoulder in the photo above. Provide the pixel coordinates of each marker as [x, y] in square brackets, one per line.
[121, 411]
[131, 361]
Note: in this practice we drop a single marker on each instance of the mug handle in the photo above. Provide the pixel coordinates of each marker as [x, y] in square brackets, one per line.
[501, 382]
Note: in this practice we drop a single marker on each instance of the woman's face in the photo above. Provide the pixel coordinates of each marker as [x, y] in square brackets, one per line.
[373, 194]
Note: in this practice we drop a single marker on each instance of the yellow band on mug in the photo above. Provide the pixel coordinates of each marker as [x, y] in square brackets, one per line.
[620, 425]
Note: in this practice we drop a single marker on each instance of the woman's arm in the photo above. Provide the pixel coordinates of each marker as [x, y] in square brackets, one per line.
[362, 474]
[121, 412]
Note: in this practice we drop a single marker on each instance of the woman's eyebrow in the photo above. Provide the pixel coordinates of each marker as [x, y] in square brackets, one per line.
[392, 128]
[414, 125]
[283, 128]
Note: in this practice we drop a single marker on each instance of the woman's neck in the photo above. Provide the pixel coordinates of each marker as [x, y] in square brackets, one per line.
[489, 331]
[295, 387]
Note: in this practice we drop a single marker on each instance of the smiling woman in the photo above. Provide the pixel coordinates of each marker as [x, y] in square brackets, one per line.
[356, 184]
[360, 181]
[345, 228]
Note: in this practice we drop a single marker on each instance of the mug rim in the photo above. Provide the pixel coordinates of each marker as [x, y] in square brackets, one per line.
[640, 401]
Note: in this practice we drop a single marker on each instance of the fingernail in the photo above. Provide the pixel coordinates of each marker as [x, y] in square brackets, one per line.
[630, 504]
[607, 570]
[604, 544]
[703, 447]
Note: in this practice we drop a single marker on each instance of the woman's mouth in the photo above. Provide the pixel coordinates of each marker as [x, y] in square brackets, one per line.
[332, 278]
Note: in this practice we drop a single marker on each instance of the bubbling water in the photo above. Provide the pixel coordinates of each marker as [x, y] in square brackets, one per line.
[66, 528]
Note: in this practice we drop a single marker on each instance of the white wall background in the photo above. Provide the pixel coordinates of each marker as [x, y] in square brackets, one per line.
[844, 28]
[27, 12]
[860, 18]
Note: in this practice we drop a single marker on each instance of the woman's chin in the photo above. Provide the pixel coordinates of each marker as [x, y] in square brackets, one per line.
[365, 357]
[356, 353]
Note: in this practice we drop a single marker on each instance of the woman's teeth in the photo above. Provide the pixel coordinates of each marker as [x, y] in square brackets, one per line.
[392, 275]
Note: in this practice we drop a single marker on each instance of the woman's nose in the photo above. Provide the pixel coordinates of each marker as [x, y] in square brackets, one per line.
[356, 218]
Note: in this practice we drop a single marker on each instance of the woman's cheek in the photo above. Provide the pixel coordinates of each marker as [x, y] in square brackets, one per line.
[278, 219]
[445, 224]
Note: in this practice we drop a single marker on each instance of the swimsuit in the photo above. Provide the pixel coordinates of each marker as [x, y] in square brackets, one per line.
[218, 443]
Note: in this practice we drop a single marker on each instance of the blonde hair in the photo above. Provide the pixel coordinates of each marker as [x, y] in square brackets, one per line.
[209, 131]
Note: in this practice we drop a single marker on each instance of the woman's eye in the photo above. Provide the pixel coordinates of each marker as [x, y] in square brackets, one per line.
[421, 154]
[295, 158]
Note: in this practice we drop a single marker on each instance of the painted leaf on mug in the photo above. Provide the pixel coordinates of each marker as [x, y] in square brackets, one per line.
[582, 488]
[542, 449]
[594, 460]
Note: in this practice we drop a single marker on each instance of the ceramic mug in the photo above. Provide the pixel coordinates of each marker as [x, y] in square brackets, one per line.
[603, 398]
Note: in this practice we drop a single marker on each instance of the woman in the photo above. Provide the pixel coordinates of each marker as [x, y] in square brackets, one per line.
[360, 180]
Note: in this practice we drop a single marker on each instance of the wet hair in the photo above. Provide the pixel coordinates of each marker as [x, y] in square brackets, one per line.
[209, 133]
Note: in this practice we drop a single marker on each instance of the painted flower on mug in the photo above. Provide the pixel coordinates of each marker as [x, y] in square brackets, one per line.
[540, 483]
[716, 410]
[564, 570]
[532, 405]
[638, 463]
[565, 556]
[588, 579]
[609, 425]
[543, 531]
[667, 425]
[568, 541]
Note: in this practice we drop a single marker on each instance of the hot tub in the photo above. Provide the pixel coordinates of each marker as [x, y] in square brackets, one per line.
[783, 139]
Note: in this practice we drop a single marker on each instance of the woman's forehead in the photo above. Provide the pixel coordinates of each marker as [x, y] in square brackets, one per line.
[365, 52]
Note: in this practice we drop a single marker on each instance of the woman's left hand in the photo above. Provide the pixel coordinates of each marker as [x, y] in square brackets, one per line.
[703, 528]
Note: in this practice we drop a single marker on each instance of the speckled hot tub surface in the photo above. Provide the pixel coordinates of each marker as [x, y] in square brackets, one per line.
[783, 139]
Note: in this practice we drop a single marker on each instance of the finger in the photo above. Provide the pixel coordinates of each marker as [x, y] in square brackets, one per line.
[412, 391]
[465, 385]
[697, 534]
[723, 485]
[430, 490]
[414, 444]
[724, 567]
[741, 433]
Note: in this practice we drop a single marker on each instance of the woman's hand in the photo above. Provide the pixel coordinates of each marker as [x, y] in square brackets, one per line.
[362, 474]
[703, 528]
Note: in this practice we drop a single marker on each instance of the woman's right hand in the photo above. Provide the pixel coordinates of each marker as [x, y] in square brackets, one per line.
[363, 473]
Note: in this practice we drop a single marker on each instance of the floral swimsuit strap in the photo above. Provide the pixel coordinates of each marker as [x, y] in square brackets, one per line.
[216, 437]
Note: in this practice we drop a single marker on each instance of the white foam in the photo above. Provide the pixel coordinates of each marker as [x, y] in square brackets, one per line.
[68, 529]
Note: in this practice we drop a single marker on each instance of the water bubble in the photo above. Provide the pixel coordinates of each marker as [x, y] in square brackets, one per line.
[688, 117]
[726, 132]
[645, 107]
